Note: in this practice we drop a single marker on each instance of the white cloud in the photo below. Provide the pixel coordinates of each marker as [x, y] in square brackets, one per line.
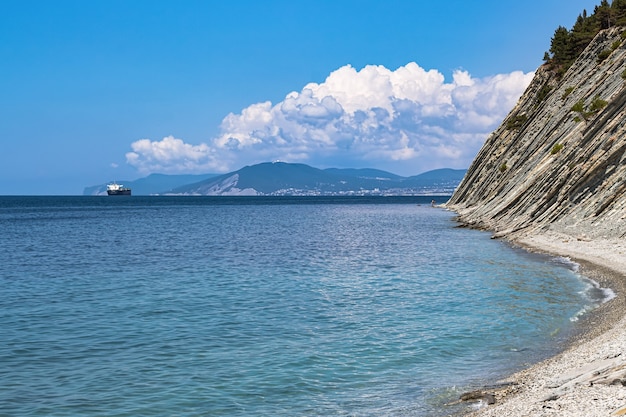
[406, 121]
[172, 155]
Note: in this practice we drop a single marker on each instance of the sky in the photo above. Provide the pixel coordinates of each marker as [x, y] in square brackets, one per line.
[108, 90]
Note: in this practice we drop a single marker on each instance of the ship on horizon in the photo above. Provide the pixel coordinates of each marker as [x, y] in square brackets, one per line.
[117, 189]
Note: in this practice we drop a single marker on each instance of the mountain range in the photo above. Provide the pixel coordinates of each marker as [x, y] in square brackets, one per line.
[280, 178]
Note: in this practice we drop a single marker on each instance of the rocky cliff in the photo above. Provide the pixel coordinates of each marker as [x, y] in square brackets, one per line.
[558, 161]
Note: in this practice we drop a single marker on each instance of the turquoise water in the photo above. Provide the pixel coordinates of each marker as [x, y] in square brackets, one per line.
[155, 306]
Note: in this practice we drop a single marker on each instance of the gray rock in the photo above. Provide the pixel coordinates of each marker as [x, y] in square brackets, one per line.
[556, 170]
[472, 396]
[478, 396]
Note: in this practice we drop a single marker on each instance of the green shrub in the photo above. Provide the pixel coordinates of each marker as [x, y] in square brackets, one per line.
[579, 107]
[615, 45]
[503, 167]
[556, 148]
[624, 74]
[543, 93]
[516, 122]
[597, 104]
[567, 92]
[604, 55]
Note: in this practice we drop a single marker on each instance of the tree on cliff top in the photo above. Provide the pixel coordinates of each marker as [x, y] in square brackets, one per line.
[567, 45]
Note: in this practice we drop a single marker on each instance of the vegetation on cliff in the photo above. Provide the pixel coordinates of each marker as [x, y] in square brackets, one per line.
[567, 45]
[558, 161]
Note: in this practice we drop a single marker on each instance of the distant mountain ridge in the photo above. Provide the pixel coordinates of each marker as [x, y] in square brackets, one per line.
[280, 178]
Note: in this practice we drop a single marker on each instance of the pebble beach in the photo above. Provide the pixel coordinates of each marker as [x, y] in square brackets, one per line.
[588, 378]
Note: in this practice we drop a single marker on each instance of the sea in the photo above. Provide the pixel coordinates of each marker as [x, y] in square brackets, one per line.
[266, 306]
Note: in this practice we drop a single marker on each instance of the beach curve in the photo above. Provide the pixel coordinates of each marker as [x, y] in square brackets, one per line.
[588, 378]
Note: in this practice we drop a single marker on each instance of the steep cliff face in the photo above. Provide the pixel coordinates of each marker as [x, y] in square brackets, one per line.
[558, 160]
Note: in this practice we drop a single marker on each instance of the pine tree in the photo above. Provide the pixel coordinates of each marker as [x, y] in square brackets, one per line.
[567, 45]
[603, 15]
[582, 34]
[560, 46]
[618, 10]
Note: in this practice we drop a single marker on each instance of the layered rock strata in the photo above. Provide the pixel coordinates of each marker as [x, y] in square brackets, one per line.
[558, 161]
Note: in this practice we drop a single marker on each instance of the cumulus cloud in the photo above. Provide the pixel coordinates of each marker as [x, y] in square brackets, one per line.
[406, 121]
[172, 155]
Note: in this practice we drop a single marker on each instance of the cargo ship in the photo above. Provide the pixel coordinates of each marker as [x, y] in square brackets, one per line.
[117, 189]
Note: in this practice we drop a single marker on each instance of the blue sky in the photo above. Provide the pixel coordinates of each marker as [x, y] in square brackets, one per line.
[96, 91]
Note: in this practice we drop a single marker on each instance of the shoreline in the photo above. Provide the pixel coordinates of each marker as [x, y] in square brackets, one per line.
[588, 378]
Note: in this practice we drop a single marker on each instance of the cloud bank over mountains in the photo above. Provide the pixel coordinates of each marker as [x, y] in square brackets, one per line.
[405, 121]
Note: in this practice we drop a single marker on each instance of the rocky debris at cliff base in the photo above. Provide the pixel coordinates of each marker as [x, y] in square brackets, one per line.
[610, 371]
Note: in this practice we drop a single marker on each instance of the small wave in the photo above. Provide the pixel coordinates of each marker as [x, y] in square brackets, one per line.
[581, 313]
[596, 293]
[567, 262]
[593, 291]
[599, 293]
[609, 294]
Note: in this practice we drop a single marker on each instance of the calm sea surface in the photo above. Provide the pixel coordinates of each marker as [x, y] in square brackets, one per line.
[194, 306]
